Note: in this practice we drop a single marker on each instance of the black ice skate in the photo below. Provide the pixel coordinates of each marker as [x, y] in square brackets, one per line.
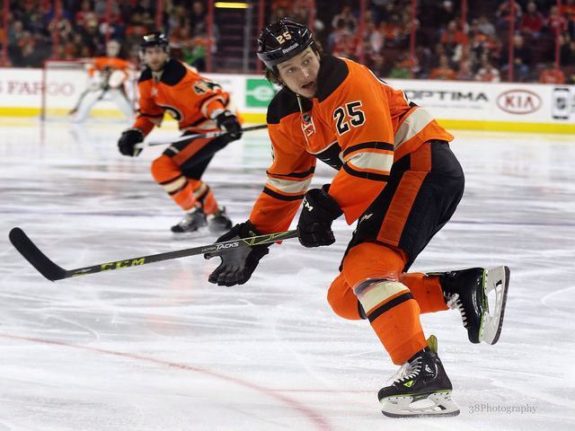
[421, 388]
[191, 222]
[467, 291]
[219, 222]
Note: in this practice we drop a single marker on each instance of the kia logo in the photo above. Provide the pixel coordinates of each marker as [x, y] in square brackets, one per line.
[519, 102]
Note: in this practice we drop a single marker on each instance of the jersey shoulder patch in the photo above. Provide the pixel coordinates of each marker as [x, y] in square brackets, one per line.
[283, 104]
[332, 73]
[146, 75]
[173, 73]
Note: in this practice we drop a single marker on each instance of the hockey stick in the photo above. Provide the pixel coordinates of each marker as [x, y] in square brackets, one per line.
[54, 272]
[215, 134]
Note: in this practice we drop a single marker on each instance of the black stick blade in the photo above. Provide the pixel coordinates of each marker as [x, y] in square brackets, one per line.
[33, 255]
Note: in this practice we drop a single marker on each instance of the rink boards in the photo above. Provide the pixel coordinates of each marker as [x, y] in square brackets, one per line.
[458, 105]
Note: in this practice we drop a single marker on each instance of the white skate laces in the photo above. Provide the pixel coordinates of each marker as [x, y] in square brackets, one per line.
[407, 371]
[455, 304]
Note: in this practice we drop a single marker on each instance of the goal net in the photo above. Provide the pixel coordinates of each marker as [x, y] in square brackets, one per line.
[64, 83]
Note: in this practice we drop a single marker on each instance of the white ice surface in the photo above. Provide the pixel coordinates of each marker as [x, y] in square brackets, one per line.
[159, 348]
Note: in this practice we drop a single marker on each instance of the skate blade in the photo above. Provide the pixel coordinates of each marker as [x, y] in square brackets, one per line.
[497, 280]
[410, 406]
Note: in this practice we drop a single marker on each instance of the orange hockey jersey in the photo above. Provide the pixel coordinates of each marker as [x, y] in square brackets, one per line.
[179, 90]
[356, 123]
[114, 63]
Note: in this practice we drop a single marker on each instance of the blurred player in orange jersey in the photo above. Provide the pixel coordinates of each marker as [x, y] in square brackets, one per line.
[109, 77]
[397, 177]
[199, 105]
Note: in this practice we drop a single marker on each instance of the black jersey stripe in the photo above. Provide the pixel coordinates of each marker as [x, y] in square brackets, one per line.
[293, 174]
[366, 175]
[276, 195]
[376, 145]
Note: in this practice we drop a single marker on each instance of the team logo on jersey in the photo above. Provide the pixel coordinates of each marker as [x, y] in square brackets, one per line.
[172, 112]
[307, 124]
[205, 86]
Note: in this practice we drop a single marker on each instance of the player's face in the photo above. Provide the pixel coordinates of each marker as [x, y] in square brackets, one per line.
[155, 57]
[300, 73]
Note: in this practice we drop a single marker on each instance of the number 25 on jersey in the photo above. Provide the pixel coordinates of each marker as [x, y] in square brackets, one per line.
[347, 116]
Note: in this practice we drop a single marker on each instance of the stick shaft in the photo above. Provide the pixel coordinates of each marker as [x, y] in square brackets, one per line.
[54, 272]
[214, 134]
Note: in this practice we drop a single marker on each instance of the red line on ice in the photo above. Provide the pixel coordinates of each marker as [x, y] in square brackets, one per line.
[320, 422]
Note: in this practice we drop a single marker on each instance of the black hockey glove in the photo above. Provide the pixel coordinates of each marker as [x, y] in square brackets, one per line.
[229, 122]
[238, 263]
[318, 212]
[128, 140]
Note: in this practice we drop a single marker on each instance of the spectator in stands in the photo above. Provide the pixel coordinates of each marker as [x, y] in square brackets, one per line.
[486, 27]
[443, 71]
[334, 37]
[376, 39]
[403, 68]
[392, 29]
[568, 9]
[556, 22]
[148, 7]
[480, 43]
[506, 12]
[522, 56]
[487, 72]
[347, 46]
[198, 14]
[465, 73]
[552, 75]
[347, 17]
[190, 48]
[16, 35]
[453, 39]
[61, 30]
[85, 14]
[425, 58]
[568, 53]
[444, 13]
[532, 22]
[91, 37]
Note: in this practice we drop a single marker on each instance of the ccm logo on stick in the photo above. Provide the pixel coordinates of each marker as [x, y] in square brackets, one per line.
[224, 246]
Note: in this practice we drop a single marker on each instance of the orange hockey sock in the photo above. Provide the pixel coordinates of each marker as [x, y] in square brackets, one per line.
[426, 290]
[168, 175]
[373, 271]
[206, 198]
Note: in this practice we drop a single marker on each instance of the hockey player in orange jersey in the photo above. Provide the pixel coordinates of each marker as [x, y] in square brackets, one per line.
[397, 178]
[108, 80]
[199, 105]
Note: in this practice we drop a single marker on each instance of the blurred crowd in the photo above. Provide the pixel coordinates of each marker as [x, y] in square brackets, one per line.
[39, 30]
[435, 42]
[446, 46]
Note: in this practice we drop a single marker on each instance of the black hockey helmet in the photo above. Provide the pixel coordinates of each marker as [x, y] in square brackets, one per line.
[154, 39]
[282, 40]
